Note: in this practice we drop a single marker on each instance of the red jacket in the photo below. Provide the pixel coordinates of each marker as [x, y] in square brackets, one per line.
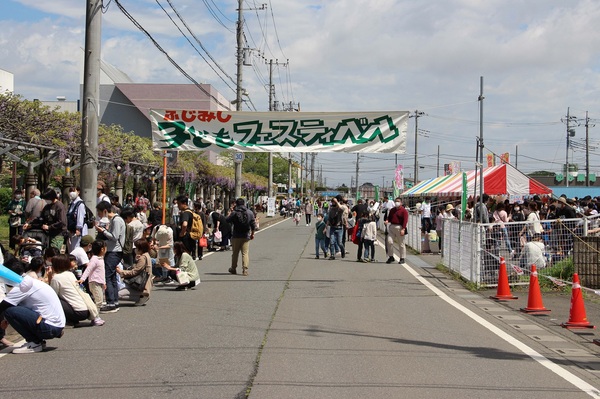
[398, 216]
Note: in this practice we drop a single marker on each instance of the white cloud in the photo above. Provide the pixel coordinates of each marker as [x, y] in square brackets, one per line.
[537, 58]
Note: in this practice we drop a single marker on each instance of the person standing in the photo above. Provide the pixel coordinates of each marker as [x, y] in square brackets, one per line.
[113, 233]
[76, 219]
[16, 212]
[53, 220]
[396, 221]
[334, 221]
[320, 236]
[308, 208]
[34, 207]
[244, 224]
[186, 217]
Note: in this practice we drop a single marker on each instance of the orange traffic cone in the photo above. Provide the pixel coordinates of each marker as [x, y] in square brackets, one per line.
[534, 299]
[503, 292]
[577, 316]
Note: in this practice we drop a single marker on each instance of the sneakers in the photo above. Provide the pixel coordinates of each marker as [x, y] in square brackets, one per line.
[332, 258]
[401, 261]
[326, 254]
[142, 301]
[109, 309]
[245, 272]
[98, 322]
[232, 270]
[363, 260]
[316, 257]
[181, 288]
[390, 260]
[29, 347]
[171, 283]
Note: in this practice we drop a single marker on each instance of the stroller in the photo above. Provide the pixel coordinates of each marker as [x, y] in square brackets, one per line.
[36, 240]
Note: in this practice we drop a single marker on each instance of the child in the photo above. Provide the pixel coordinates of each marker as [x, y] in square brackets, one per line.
[369, 235]
[94, 273]
[35, 269]
[31, 247]
[320, 236]
[297, 217]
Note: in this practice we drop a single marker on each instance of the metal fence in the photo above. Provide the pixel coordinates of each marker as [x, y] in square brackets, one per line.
[474, 250]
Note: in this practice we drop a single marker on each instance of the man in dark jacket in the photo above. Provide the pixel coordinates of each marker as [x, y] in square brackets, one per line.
[244, 224]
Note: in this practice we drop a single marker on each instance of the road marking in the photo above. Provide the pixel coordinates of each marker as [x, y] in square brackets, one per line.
[556, 369]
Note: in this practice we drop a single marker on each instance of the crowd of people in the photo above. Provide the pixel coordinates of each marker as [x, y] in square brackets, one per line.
[73, 276]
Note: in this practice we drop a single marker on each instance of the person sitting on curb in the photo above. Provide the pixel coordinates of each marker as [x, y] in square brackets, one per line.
[34, 311]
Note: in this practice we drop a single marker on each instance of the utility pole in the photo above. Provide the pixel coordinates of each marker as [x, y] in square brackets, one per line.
[312, 172]
[289, 172]
[238, 97]
[417, 115]
[356, 178]
[517, 156]
[91, 104]
[270, 155]
[306, 173]
[438, 161]
[481, 146]
[570, 133]
[587, 150]
[301, 174]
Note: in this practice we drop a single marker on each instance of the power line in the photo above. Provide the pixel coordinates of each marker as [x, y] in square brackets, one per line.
[171, 60]
[199, 43]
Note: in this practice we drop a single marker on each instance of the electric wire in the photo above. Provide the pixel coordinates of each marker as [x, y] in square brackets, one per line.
[194, 47]
[171, 60]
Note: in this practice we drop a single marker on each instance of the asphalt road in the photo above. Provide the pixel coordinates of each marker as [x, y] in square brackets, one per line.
[297, 327]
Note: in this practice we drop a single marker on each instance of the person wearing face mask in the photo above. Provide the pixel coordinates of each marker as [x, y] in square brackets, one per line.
[320, 236]
[396, 221]
[16, 212]
[75, 220]
[53, 220]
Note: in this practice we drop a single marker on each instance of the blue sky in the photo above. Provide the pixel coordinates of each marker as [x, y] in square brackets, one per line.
[537, 59]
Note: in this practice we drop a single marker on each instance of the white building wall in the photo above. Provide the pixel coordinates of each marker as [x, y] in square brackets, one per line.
[7, 81]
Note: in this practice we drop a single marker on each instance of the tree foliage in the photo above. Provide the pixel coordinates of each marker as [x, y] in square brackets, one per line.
[31, 122]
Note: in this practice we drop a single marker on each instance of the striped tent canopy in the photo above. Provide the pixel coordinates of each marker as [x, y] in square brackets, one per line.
[497, 180]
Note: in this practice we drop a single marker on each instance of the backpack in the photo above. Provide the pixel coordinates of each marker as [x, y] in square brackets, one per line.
[240, 222]
[335, 216]
[197, 228]
[89, 219]
[128, 244]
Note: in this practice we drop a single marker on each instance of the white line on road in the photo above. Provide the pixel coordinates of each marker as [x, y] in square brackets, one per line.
[558, 370]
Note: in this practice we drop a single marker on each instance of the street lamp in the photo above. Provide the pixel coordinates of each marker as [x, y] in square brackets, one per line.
[67, 167]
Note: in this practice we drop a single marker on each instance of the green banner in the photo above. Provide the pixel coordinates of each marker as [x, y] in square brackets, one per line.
[197, 130]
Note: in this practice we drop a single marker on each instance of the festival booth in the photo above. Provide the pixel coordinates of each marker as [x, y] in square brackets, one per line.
[502, 180]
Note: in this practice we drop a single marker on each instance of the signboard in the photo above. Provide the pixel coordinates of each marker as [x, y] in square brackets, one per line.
[238, 157]
[198, 130]
[271, 207]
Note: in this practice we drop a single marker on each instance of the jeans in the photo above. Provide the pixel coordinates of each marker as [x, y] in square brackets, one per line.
[24, 321]
[369, 246]
[336, 237]
[111, 261]
[320, 244]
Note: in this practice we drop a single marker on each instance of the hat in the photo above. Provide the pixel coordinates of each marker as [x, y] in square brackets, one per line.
[562, 200]
[449, 207]
[86, 240]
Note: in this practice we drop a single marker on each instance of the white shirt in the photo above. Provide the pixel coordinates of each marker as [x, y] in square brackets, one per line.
[426, 209]
[81, 256]
[41, 299]
[65, 286]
